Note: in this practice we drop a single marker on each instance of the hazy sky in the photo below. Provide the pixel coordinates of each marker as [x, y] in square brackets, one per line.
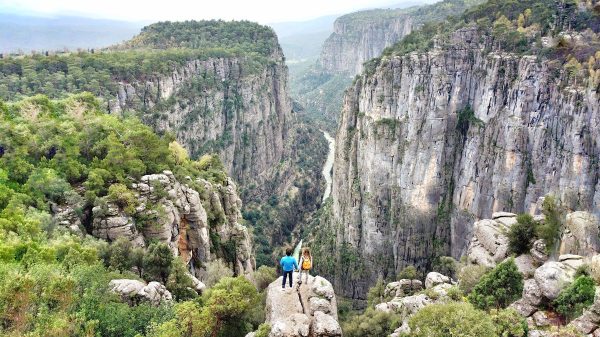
[263, 11]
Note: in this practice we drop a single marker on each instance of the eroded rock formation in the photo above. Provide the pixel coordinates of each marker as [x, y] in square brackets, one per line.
[186, 220]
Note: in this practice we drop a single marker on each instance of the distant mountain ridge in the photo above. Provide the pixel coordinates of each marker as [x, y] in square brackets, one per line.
[27, 33]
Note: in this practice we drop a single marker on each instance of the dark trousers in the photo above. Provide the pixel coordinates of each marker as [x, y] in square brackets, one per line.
[285, 274]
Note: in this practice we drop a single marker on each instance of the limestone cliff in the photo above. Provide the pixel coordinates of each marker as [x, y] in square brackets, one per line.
[225, 105]
[429, 141]
[361, 36]
[353, 43]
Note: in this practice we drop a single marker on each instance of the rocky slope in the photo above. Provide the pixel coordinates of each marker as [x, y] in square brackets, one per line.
[429, 141]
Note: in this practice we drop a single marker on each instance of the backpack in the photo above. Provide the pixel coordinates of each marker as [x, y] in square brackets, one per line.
[306, 263]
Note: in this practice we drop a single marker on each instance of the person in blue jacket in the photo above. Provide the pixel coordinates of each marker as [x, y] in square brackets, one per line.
[288, 265]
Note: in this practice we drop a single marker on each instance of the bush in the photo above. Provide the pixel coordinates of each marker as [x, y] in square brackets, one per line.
[180, 283]
[521, 234]
[451, 319]
[572, 300]
[469, 276]
[372, 323]
[445, 265]
[376, 293]
[509, 323]
[549, 229]
[215, 271]
[455, 293]
[157, 262]
[263, 330]
[263, 276]
[122, 197]
[409, 273]
[498, 288]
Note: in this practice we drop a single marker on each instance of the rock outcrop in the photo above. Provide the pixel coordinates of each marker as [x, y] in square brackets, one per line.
[580, 236]
[407, 305]
[310, 311]
[134, 291]
[172, 212]
[408, 182]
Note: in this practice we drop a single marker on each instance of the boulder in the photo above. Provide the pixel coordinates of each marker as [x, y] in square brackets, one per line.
[526, 265]
[538, 251]
[412, 304]
[199, 286]
[552, 277]
[404, 287]
[541, 319]
[572, 261]
[434, 278]
[580, 235]
[134, 291]
[325, 325]
[532, 292]
[489, 244]
[155, 293]
[524, 308]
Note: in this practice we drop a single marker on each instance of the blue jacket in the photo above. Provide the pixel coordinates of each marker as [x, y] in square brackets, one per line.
[288, 263]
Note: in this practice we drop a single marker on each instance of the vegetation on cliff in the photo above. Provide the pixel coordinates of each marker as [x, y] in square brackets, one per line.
[157, 50]
[55, 281]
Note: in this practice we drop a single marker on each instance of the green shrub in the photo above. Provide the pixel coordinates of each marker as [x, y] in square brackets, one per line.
[445, 265]
[263, 276]
[509, 323]
[572, 300]
[549, 229]
[372, 323]
[376, 293]
[521, 234]
[215, 271]
[180, 283]
[451, 319]
[498, 288]
[158, 262]
[469, 276]
[263, 330]
[455, 293]
[409, 273]
[123, 197]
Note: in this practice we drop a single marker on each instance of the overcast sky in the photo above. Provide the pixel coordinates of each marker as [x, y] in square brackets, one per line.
[263, 11]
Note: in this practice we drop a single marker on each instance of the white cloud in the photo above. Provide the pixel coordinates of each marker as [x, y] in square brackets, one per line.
[264, 11]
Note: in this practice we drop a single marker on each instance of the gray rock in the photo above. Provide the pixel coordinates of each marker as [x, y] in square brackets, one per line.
[538, 251]
[532, 292]
[541, 319]
[319, 304]
[526, 265]
[132, 291]
[325, 325]
[524, 308]
[552, 277]
[434, 278]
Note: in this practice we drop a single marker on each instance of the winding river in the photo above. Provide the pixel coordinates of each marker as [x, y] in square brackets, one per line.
[328, 165]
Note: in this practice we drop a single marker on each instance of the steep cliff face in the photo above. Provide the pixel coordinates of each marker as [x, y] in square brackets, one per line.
[230, 106]
[354, 42]
[429, 141]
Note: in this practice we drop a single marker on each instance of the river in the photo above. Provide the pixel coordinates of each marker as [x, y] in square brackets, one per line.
[328, 165]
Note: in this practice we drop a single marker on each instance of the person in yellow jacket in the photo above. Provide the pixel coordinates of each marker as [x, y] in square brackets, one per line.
[306, 263]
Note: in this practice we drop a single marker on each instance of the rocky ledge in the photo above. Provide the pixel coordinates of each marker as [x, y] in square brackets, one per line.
[307, 311]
